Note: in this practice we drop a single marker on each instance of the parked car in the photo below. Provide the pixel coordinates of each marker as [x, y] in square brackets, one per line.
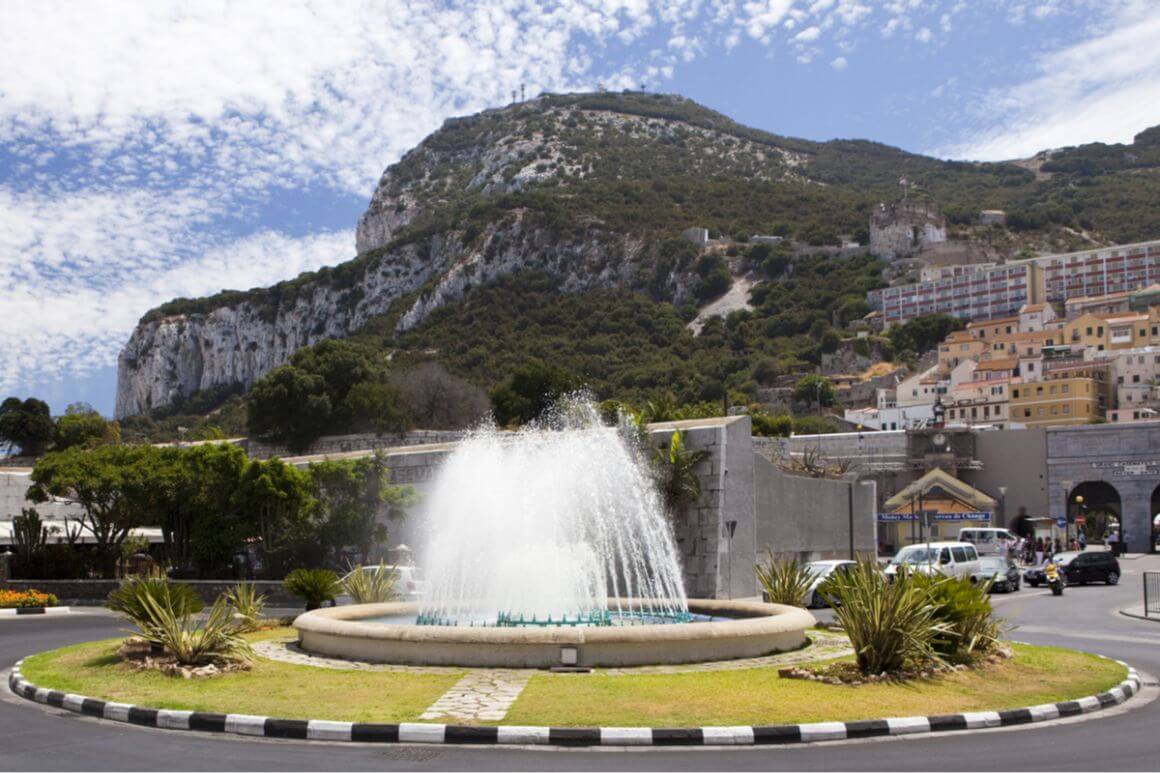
[954, 559]
[1035, 575]
[1003, 573]
[822, 571]
[987, 540]
[1092, 566]
[408, 583]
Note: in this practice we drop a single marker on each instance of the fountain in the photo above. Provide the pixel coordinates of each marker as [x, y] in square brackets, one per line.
[546, 547]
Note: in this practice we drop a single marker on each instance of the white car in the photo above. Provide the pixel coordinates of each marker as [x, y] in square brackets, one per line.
[822, 571]
[408, 583]
[953, 559]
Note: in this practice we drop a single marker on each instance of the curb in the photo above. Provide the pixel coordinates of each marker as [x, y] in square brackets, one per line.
[33, 611]
[1137, 613]
[424, 733]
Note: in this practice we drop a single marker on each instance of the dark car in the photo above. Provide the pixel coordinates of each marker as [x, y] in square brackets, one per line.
[1035, 575]
[1094, 566]
[1003, 573]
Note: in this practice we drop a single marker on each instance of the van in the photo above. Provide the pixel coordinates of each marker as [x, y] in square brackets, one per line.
[986, 541]
[953, 559]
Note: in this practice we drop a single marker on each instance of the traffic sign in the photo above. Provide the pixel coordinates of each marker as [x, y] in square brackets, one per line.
[1061, 522]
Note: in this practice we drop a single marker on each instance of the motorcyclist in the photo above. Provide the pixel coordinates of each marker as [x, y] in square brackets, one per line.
[1051, 573]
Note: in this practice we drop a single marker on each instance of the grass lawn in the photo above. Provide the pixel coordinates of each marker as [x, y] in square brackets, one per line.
[760, 697]
[753, 696]
[269, 689]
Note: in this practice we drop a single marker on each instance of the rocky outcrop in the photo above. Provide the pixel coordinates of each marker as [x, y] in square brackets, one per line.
[174, 356]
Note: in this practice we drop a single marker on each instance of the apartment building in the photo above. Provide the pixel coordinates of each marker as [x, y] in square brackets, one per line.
[983, 401]
[920, 389]
[1134, 376]
[1001, 291]
[1129, 330]
[1073, 393]
[958, 347]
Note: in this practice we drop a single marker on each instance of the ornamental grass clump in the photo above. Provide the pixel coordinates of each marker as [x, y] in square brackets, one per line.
[891, 624]
[371, 584]
[314, 586]
[784, 580]
[247, 606]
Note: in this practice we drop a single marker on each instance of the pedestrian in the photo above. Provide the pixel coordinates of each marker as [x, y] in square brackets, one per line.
[1082, 541]
[1058, 547]
[1039, 552]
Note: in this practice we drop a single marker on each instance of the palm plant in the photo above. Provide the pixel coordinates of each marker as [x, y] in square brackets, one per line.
[314, 586]
[784, 580]
[964, 608]
[191, 644]
[137, 597]
[247, 605]
[680, 484]
[891, 623]
[371, 584]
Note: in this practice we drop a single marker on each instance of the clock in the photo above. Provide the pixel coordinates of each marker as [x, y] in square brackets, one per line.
[939, 439]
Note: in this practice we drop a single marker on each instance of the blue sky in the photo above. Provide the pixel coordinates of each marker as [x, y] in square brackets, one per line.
[156, 149]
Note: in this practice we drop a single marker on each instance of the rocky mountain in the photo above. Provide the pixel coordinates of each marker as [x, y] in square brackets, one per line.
[594, 191]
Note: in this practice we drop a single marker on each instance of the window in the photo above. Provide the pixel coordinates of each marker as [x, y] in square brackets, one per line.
[1052, 389]
[1067, 408]
[1039, 411]
[1089, 331]
[1039, 390]
[1066, 388]
[1015, 393]
[1135, 378]
[1055, 410]
[1100, 331]
[1026, 413]
[960, 554]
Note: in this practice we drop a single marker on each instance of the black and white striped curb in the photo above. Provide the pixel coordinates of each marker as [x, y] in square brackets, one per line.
[414, 732]
[33, 611]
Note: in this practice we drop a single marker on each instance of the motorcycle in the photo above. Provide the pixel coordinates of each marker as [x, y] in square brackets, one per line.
[1054, 579]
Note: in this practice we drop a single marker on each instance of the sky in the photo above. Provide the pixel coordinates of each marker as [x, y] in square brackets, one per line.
[156, 149]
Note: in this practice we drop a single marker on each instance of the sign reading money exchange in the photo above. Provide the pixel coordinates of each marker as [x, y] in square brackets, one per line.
[933, 515]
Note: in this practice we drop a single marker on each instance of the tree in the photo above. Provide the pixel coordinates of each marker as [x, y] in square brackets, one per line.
[922, 333]
[376, 406]
[530, 391]
[677, 477]
[82, 425]
[436, 399]
[814, 389]
[279, 500]
[114, 486]
[352, 494]
[26, 425]
[289, 405]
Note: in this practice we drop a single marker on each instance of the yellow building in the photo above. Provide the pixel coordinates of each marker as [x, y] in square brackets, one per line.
[1107, 332]
[987, 329]
[1075, 394]
[934, 507]
[958, 347]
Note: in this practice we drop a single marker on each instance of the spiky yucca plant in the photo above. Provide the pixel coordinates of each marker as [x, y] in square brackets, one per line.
[138, 597]
[964, 608]
[193, 644]
[784, 580]
[247, 605]
[314, 586]
[891, 623]
[371, 584]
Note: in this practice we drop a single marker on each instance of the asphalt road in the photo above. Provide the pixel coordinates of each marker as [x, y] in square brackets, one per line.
[40, 738]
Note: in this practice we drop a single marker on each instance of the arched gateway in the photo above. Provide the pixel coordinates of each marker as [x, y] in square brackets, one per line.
[1104, 464]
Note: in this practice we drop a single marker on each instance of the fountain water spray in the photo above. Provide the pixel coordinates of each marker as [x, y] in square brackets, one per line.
[549, 522]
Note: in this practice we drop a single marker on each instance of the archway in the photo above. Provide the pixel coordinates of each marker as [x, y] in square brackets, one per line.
[1095, 506]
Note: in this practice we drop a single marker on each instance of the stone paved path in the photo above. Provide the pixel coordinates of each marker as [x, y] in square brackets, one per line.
[824, 646]
[485, 694]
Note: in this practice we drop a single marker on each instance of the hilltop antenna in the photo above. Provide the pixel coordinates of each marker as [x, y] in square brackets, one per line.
[643, 87]
[513, 96]
[521, 92]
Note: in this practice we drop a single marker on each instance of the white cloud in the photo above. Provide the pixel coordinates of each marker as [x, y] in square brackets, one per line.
[1104, 89]
[839, 63]
[808, 35]
[924, 35]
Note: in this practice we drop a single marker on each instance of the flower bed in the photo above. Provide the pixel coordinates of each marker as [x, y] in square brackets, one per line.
[21, 599]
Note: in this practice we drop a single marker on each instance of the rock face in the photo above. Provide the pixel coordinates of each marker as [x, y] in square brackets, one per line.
[173, 356]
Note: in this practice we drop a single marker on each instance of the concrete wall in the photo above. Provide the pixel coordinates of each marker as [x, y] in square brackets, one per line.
[810, 518]
[1016, 459]
[337, 444]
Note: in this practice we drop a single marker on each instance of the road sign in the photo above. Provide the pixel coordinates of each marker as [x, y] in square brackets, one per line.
[1061, 522]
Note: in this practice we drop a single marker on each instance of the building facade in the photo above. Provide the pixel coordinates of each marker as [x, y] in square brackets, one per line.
[1002, 291]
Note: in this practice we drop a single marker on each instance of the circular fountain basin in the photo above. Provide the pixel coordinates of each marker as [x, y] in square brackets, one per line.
[752, 629]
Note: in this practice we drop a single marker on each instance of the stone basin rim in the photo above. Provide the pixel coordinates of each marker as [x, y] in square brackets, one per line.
[751, 618]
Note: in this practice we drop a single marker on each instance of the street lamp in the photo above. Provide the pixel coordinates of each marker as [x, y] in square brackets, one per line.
[1003, 505]
[1079, 509]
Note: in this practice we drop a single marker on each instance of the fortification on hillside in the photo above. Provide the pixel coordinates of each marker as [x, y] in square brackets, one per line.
[906, 228]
